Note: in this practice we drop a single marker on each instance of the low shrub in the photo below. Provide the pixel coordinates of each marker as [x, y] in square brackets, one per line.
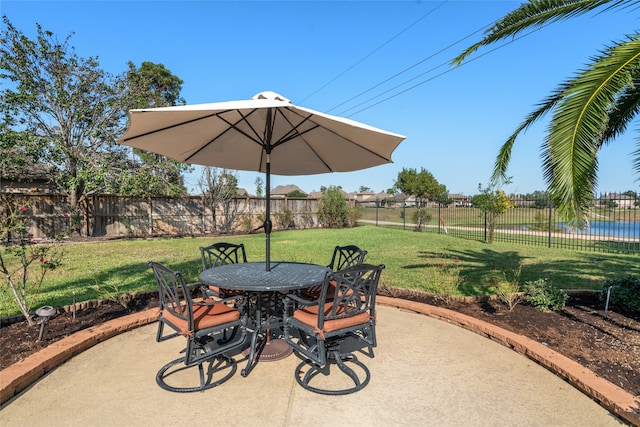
[508, 289]
[543, 295]
[625, 294]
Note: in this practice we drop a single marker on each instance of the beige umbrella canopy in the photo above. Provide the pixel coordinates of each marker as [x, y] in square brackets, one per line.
[264, 134]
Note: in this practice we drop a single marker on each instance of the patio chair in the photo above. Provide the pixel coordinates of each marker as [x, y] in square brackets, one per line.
[219, 254]
[202, 322]
[326, 331]
[343, 257]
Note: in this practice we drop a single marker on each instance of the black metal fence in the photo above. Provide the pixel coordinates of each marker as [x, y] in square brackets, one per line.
[613, 223]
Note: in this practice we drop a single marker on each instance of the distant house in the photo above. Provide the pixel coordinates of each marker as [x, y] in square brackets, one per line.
[27, 178]
[620, 200]
[364, 196]
[460, 200]
[318, 195]
[281, 191]
[404, 200]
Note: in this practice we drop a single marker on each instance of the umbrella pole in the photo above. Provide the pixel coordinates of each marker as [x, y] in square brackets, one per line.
[267, 220]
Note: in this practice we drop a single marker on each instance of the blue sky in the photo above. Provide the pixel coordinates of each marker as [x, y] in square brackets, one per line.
[324, 55]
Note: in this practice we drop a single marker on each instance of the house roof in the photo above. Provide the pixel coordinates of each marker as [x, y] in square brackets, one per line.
[455, 196]
[283, 190]
[26, 171]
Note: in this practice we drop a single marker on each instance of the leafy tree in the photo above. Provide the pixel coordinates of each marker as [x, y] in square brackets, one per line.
[219, 188]
[259, 186]
[62, 109]
[588, 110]
[297, 193]
[333, 211]
[364, 189]
[493, 202]
[66, 112]
[421, 216]
[423, 186]
[152, 85]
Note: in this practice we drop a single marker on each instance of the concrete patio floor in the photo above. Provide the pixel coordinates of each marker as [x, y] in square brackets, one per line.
[426, 372]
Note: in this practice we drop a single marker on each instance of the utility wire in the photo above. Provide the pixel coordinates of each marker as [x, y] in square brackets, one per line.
[407, 69]
[434, 77]
[372, 52]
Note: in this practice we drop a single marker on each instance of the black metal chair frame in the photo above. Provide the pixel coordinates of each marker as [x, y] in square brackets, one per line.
[346, 256]
[203, 344]
[222, 253]
[343, 257]
[316, 329]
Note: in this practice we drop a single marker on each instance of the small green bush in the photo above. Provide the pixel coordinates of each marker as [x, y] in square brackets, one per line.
[625, 295]
[544, 296]
[508, 289]
[284, 218]
[355, 213]
[333, 211]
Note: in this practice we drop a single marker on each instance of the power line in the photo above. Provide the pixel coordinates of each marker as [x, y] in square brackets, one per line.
[434, 77]
[372, 52]
[407, 69]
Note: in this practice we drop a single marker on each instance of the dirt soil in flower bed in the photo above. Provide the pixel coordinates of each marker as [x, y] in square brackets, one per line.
[610, 346]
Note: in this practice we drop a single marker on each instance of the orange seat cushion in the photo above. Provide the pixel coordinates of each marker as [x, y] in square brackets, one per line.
[314, 291]
[224, 292]
[309, 316]
[204, 316]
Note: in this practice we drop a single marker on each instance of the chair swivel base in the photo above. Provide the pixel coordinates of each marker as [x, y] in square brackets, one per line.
[342, 361]
[214, 366]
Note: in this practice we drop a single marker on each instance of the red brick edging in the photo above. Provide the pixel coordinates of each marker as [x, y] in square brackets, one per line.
[20, 375]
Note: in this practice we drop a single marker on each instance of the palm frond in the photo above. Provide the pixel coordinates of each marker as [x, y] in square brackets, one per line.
[626, 108]
[504, 156]
[536, 14]
[636, 158]
[578, 124]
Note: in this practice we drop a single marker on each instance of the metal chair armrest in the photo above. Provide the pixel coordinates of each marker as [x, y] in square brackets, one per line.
[231, 299]
[293, 302]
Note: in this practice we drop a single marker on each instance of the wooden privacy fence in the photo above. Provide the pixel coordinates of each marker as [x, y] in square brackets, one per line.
[117, 216]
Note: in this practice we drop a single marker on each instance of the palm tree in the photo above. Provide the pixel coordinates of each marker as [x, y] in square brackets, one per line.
[588, 111]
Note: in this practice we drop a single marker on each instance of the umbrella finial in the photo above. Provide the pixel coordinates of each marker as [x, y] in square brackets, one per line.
[267, 94]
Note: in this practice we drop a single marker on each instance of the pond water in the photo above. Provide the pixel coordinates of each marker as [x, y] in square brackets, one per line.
[607, 229]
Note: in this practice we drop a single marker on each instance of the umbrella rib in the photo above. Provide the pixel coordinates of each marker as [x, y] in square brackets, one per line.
[294, 132]
[169, 127]
[253, 138]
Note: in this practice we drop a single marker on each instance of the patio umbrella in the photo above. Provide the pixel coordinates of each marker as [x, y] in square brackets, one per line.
[264, 134]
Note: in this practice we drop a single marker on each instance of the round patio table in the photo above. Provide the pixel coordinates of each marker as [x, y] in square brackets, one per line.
[265, 290]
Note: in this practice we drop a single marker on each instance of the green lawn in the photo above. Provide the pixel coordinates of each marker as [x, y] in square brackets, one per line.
[414, 260]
